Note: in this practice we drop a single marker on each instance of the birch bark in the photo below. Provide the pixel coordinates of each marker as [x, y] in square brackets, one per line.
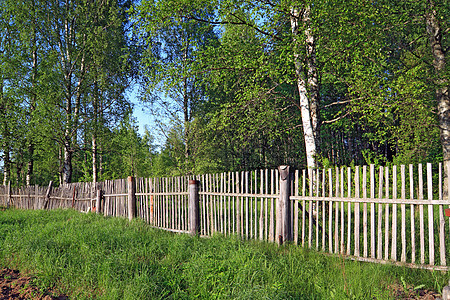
[307, 80]
[434, 32]
[5, 136]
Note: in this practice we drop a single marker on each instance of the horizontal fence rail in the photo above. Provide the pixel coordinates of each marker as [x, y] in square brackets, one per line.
[395, 214]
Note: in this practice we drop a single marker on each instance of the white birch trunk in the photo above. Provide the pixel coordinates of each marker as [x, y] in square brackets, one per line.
[434, 31]
[308, 104]
[6, 165]
[67, 165]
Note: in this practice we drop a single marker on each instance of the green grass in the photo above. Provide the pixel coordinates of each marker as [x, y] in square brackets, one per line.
[88, 256]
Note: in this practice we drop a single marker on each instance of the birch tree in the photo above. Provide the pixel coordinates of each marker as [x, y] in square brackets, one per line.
[307, 78]
[87, 42]
[437, 28]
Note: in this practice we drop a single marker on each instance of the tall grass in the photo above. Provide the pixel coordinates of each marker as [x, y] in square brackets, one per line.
[88, 256]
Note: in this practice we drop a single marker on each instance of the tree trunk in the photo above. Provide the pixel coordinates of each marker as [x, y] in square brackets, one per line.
[186, 103]
[100, 161]
[94, 159]
[186, 120]
[71, 113]
[4, 134]
[19, 167]
[30, 164]
[67, 159]
[434, 31]
[67, 164]
[306, 80]
[33, 103]
[313, 77]
[94, 135]
[6, 165]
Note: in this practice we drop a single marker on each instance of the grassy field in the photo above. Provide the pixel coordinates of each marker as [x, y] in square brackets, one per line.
[88, 256]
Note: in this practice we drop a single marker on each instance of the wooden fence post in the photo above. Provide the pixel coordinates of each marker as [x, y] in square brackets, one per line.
[9, 195]
[131, 198]
[194, 208]
[283, 225]
[47, 195]
[98, 201]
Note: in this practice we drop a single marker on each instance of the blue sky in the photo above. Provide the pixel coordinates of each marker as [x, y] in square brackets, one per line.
[144, 118]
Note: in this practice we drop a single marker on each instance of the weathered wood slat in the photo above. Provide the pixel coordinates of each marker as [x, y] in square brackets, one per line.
[203, 214]
[380, 215]
[266, 226]
[403, 209]
[349, 209]
[324, 211]
[372, 211]
[296, 183]
[310, 206]
[330, 211]
[205, 206]
[336, 217]
[167, 212]
[364, 187]
[441, 222]
[255, 199]
[303, 208]
[261, 212]
[386, 233]
[394, 214]
[233, 200]
[215, 201]
[242, 214]
[448, 189]
[318, 209]
[357, 223]
[342, 214]
[212, 203]
[430, 215]
[250, 208]
[172, 208]
[421, 224]
[411, 195]
[223, 208]
[230, 203]
[236, 203]
[246, 207]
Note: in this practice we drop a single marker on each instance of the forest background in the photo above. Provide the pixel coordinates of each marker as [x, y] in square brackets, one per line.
[232, 85]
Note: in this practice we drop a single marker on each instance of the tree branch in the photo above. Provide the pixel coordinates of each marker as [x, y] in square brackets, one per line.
[241, 22]
[341, 102]
[336, 119]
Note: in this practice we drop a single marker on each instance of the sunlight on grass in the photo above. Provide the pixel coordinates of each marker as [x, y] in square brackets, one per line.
[88, 256]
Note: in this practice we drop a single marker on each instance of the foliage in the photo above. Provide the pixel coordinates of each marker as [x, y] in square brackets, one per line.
[376, 100]
[67, 67]
[221, 80]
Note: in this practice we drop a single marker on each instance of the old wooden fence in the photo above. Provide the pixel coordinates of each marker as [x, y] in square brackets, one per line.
[394, 214]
